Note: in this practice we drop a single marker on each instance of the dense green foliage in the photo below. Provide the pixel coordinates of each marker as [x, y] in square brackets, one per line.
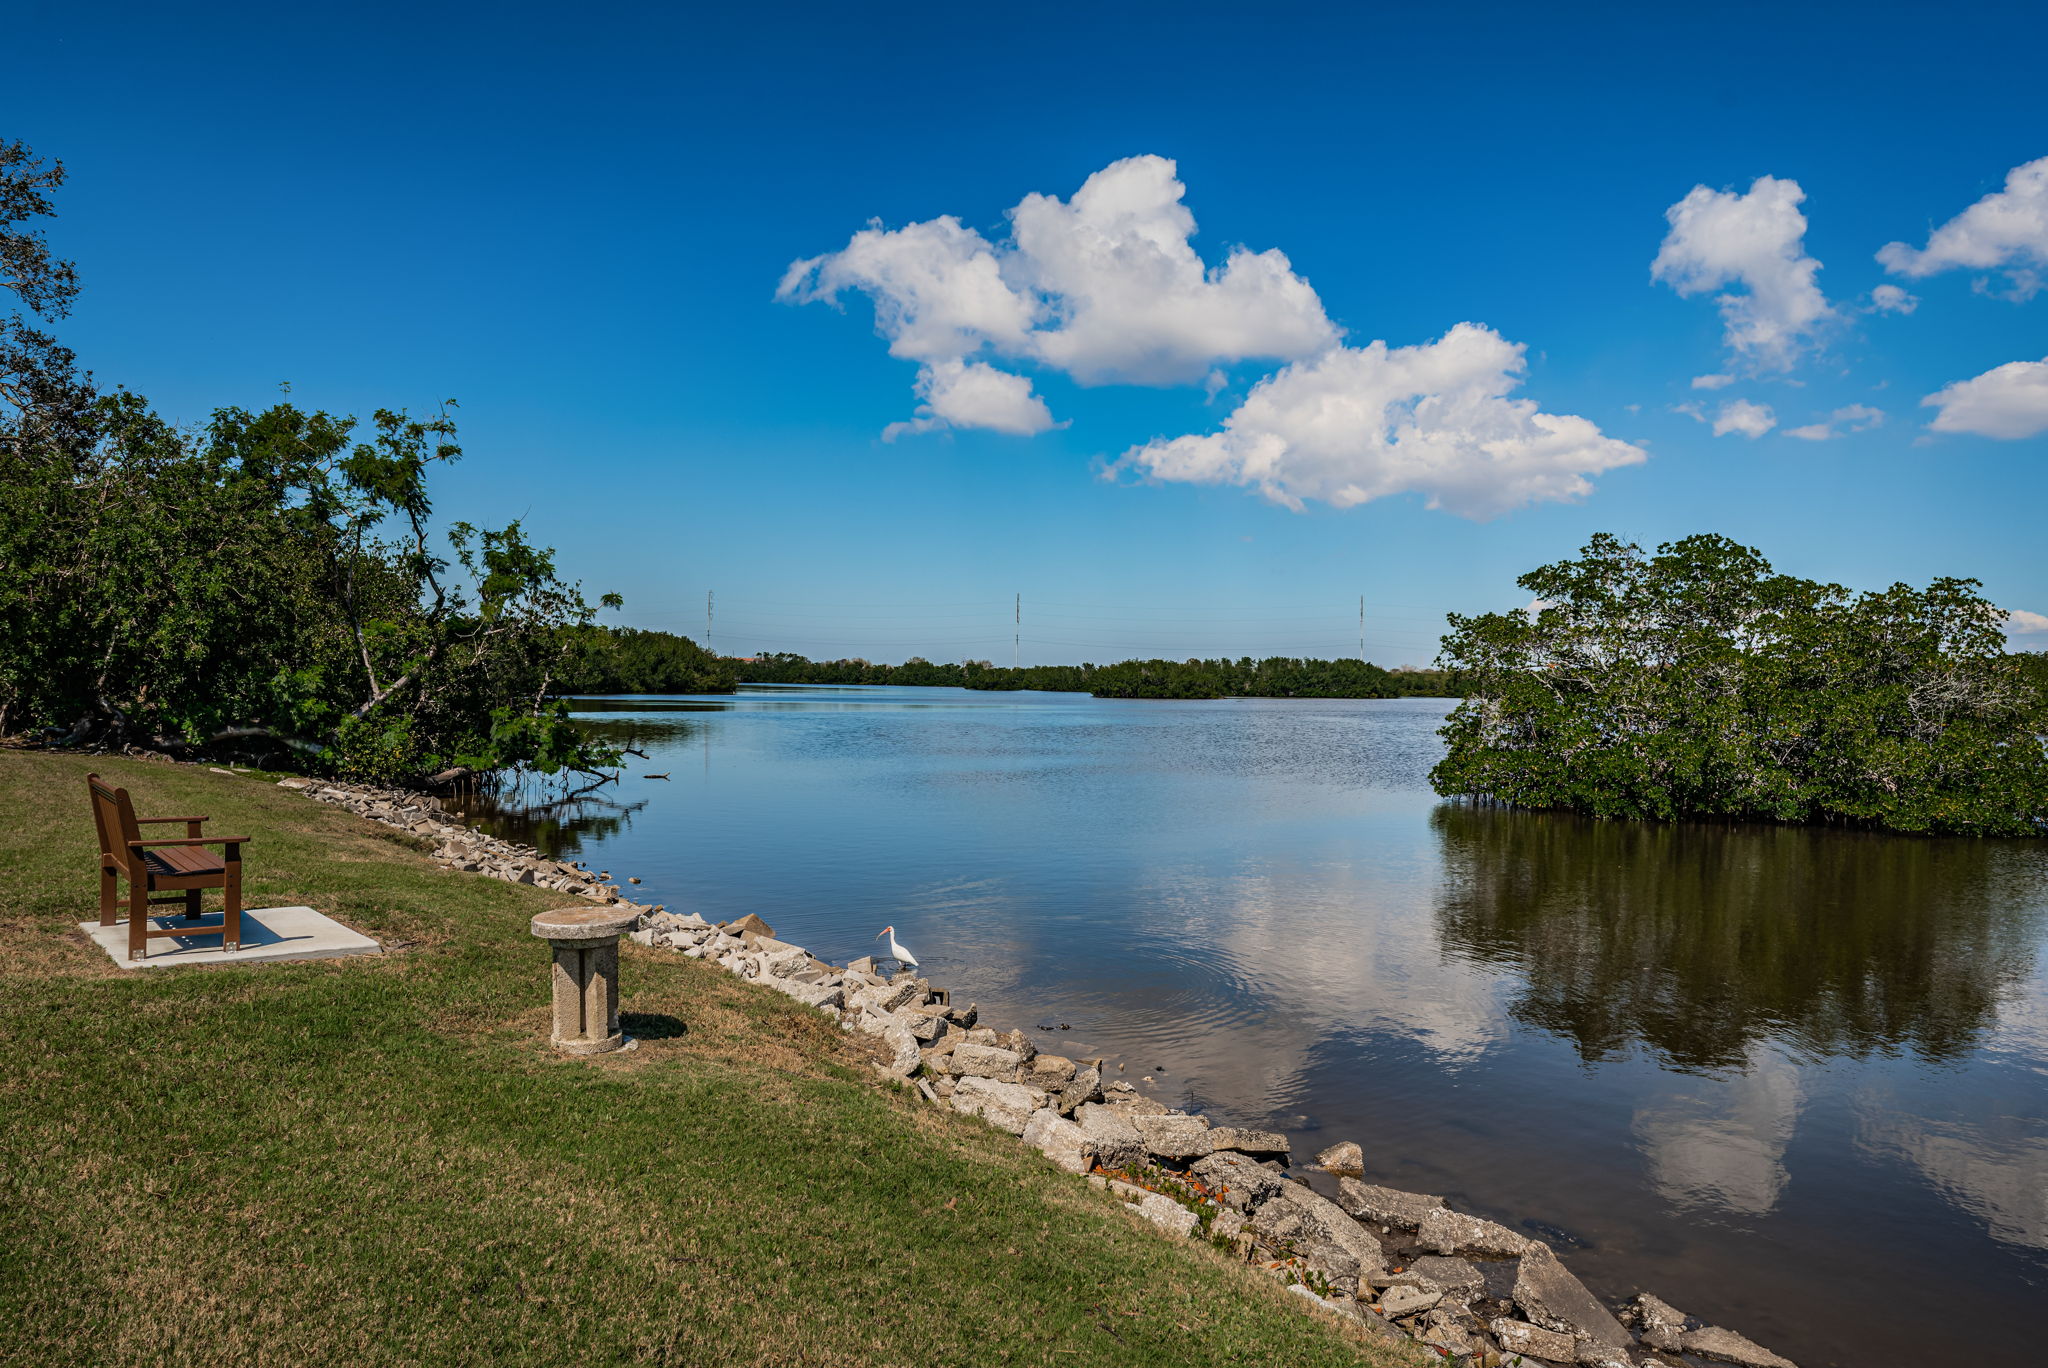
[269, 584]
[2034, 668]
[1278, 677]
[1699, 683]
[624, 660]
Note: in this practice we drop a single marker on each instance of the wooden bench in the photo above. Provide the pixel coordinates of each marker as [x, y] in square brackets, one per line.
[180, 866]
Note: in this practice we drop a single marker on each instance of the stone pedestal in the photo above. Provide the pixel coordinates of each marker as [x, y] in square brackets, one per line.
[586, 974]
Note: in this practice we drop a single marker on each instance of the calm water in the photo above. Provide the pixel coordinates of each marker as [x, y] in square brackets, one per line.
[1792, 1081]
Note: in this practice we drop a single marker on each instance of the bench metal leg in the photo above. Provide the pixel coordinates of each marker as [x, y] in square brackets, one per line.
[231, 892]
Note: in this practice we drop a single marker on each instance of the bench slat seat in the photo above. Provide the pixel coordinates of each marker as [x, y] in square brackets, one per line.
[183, 863]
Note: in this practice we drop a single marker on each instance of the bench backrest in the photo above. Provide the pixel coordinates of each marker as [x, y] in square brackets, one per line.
[114, 815]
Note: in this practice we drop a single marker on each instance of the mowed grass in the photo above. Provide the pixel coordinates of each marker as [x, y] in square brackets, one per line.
[379, 1161]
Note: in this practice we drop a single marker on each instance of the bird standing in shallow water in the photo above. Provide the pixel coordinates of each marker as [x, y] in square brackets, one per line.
[898, 952]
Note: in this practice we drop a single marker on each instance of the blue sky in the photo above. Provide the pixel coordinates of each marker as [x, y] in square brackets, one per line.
[575, 222]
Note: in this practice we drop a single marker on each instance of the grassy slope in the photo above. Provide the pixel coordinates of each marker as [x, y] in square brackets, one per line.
[379, 1161]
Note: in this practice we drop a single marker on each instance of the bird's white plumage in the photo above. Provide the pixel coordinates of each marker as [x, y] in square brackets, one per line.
[897, 950]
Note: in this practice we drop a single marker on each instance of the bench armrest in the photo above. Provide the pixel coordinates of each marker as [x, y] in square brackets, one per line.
[151, 821]
[192, 841]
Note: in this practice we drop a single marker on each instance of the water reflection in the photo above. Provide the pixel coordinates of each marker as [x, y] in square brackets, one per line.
[1701, 943]
[562, 816]
[1996, 1169]
[1720, 1142]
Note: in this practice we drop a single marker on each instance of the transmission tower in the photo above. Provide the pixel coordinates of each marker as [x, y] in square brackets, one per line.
[1017, 633]
[708, 593]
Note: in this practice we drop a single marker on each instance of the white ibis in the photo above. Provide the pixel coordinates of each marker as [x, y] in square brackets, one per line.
[897, 951]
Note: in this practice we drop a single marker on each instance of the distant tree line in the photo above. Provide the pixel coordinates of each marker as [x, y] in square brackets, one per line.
[1699, 683]
[1277, 677]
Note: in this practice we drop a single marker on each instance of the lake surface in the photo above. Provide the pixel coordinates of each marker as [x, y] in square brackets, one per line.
[1793, 1081]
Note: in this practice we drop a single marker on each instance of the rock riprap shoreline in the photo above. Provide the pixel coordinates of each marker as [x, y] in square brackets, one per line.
[1403, 1265]
[464, 848]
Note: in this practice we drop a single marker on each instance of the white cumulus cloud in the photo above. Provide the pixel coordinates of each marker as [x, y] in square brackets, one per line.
[1892, 299]
[973, 394]
[1854, 418]
[1129, 300]
[1105, 287]
[938, 289]
[1712, 382]
[1740, 415]
[2007, 401]
[2020, 622]
[1361, 423]
[1756, 241]
[2006, 229]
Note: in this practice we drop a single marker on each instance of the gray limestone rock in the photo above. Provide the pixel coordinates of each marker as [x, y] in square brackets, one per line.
[1331, 1242]
[902, 1047]
[1239, 1182]
[1126, 1192]
[1664, 1337]
[1175, 1137]
[1458, 1278]
[1020, 1044]
[926, 1025]
[1653, 1313]
[812, 994]
[886, 997]
[1593, 1355]
[1344, 1157]
[1520, 1337]
[783, 963]
[1388, 1206]
[1453, 1232]
[1050, 1072]
[1059, 1140]
[1085, 1086]
[748, 926]
[1549, 1295]
[1447, 1331]
[1226, 1224]
[1250, 1141]
[986, 1061]
[1408, 1301]
[1116, 1141]
[1169, 1215]
[1006, 1106]
[1729, 1347]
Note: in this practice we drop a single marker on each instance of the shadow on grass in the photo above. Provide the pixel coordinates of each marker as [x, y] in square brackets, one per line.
[651, 1025]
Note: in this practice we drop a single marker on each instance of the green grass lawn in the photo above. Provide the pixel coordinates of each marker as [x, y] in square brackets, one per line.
[379, 1160]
